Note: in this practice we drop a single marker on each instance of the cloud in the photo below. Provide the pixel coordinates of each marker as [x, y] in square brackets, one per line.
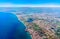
[20, 5]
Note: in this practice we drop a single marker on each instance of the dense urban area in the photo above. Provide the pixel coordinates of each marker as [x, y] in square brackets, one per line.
[42, 26]
[41, 22]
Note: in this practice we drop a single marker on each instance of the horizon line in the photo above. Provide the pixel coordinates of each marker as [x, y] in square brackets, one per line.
[21, 5]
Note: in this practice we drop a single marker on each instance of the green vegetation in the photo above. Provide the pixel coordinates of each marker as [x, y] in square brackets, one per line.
[41, 19]
[58, 23]
[58, 32]
[36, 27]
[44, 38]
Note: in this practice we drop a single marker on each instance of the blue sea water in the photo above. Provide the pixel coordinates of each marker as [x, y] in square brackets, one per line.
[11, 27]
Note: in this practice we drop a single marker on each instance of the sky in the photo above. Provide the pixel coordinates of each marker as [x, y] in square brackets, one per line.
[30, 2]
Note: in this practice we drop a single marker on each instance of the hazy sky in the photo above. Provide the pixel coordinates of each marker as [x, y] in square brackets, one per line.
[30, 1]
[14, 3]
